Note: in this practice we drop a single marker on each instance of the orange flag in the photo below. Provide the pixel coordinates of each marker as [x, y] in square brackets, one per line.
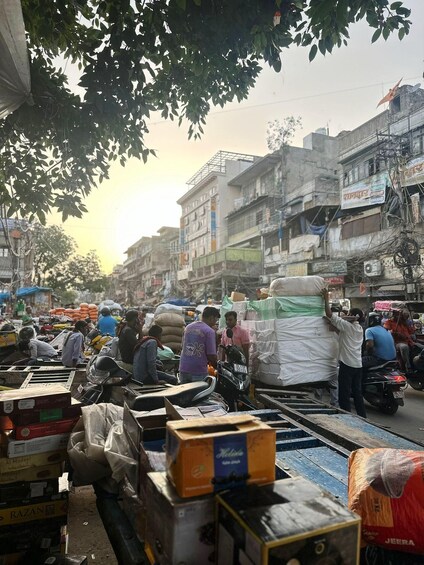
[391, 94]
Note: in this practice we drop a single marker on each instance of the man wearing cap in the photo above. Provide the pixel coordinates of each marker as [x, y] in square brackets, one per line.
[199, 347]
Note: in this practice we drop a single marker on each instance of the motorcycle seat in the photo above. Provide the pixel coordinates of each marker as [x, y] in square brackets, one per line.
[393, 364]
[181, 395]
[105, 363]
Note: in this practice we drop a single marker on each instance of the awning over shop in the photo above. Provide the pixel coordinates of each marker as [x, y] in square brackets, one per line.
[24, 292]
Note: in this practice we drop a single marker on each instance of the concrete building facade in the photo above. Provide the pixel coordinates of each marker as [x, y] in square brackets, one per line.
[204, 210]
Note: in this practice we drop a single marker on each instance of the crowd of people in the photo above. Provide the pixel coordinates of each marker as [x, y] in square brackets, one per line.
[361, 346]
[364, 346]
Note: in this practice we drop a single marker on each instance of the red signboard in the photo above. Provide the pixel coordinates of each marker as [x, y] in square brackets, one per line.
[335, 281]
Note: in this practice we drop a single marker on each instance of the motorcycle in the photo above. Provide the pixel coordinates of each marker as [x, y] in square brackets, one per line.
[107, 381]
[383, 387]
[233, 378]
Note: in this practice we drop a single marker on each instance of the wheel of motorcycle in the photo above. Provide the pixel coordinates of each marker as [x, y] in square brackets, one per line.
[389, 409]
[416, 385]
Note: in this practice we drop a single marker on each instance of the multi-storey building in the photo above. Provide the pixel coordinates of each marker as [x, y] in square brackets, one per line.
[203, 225]
[381, 202]
[150, 266]
[16, 254]
[286, 199]
[116, 287]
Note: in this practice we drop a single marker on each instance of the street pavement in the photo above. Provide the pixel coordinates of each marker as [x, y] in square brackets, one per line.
[408, 420]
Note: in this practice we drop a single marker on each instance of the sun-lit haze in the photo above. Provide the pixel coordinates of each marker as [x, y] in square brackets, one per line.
[339, 91]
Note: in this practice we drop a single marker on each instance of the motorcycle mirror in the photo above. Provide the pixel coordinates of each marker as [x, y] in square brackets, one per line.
[229, 333]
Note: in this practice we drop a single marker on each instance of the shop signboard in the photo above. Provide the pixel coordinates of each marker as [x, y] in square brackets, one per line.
[296, 270]
[367, 192]
[329, 268]
[413, 172]
[334, 281]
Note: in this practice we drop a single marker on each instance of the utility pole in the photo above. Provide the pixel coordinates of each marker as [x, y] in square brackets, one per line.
[395, 150]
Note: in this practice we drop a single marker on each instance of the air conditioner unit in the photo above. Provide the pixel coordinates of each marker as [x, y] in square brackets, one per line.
[264, 279]
[373, 268]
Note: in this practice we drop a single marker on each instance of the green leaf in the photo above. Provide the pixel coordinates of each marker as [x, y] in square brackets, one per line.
[401, 33]
[182, 4]
[313, 52]
[376, 35]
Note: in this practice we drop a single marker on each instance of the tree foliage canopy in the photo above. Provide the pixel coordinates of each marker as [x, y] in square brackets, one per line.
[57, 265]
[52, 248]
[177, 57]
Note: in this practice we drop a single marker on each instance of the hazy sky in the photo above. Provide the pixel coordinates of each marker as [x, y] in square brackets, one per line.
[340, 91]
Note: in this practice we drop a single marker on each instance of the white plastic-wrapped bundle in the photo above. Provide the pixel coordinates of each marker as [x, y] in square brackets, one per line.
[295, 351]
[297, 286]
[241, 309]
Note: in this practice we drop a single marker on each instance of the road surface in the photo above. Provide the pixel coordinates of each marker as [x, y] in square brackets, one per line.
[408, 420]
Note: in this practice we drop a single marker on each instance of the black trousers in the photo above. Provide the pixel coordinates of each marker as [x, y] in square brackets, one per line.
[350, 384]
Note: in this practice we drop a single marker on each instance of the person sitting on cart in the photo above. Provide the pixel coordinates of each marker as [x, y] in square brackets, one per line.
[145, 359]
[379, 343]
[128, 333]
[73, 346]
[403, 334]
[37, 350]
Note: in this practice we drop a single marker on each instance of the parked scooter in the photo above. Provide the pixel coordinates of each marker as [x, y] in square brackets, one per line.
[108, 382]
[383, 387]
[415, 377]
[233, 377]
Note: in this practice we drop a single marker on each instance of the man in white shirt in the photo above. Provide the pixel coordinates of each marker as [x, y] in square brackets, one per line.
[73, 346]
[37, 350]
[351, 337]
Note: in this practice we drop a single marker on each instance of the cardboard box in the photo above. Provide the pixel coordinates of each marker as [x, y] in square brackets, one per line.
[152, 427]
[23, 537]
[237, 296]
[45, 472]
[54, 506]
[212, 454]
[178, 530]
[30, 461]
[27, 490]
[146, 427]
[152, 459]
[134, 508]
[33, 398]
[36, 445]
[291, 520]
[47, 415]
[32, 431]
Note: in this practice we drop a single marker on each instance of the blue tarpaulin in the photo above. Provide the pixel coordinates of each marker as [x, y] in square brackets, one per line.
[177, 301]
[24, 291]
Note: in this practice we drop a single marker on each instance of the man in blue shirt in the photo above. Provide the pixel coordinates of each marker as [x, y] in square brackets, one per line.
[379, 343]
[107, 323]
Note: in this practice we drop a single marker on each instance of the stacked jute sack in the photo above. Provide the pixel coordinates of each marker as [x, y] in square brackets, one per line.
[171, 320]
